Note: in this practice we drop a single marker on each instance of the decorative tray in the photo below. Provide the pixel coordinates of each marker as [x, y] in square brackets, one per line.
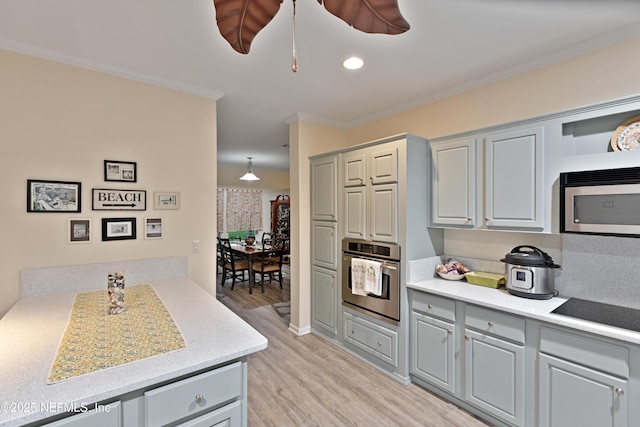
[627, 136]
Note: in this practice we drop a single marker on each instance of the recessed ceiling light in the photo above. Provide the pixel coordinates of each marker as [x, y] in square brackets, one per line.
[353, 63]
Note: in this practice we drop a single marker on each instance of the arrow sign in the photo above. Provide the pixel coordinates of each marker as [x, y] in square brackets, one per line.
[106, 199]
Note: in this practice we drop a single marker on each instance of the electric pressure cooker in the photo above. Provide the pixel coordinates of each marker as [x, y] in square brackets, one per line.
[530, 273]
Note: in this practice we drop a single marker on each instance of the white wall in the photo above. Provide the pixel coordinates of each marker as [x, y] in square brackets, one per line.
[59, 122]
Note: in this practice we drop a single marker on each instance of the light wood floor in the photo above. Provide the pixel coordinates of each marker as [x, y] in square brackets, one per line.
[306, 381]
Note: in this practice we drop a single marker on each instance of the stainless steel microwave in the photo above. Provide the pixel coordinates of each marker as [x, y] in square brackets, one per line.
[603, 201]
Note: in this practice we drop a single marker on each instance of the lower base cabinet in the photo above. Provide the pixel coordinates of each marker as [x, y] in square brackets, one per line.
[494, 376]
[521, 372]
[583, 381]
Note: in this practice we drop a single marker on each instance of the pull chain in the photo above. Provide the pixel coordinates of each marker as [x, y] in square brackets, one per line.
[294, 59]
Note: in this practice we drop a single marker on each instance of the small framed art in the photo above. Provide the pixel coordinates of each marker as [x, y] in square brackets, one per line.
[53, 196]
[120, 171]
[153, 228]
[118, 229]
[166, 200]
[79, 230]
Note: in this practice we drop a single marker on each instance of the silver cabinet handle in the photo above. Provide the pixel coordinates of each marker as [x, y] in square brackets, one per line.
[619, 391]
[449, 332]
[379, 344]
[200, 399]
[429, 306]
[466, 337]
[490, 324]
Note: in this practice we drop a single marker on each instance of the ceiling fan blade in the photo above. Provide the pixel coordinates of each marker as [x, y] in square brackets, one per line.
[240, 20]
[369, 16]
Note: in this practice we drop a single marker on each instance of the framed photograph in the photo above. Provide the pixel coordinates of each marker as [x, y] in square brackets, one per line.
[79, 230]
[166, 200]
[118, 229]
[153, 228]
[118, 200]
[53, 196]
[120, 171]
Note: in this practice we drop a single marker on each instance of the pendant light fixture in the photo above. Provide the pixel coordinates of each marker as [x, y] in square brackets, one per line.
[249, 176]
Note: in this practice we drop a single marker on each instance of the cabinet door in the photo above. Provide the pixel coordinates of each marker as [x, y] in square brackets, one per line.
[494, 376]
[324, 249]
[383, 214]
[454, 183]
[354, 169]
[573, 395]
[355, 212]
[383, 166]
[324, 176]
[324, 300]
[433, 351]
[514, 180]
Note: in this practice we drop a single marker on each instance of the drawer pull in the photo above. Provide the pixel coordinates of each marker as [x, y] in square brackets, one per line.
[200, 399]
[466, 337]
[619, 391]
[379, 344]
[429, 306]
[490, 324]
[449, 331]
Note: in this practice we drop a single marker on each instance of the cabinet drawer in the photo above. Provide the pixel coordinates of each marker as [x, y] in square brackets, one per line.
[597, 354]
[193, 395]
[432, 305]
[372, 338]
[227, 416]
[495, 323]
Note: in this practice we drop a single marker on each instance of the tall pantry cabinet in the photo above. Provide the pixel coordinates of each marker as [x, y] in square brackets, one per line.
[382, 196]
[324, 245]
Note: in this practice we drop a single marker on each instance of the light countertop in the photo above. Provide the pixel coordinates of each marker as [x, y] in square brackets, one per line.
[501, 299]
[31, 332]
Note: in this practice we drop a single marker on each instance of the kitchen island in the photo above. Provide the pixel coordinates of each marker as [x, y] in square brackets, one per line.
[216, 341]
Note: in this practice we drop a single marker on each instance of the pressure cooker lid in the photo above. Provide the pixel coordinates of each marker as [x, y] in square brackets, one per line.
[533, 257]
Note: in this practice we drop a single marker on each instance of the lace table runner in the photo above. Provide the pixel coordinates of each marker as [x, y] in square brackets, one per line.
[96, 340]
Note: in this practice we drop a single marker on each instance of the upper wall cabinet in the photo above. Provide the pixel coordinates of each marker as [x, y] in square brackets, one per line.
[453, 183]
[514, 170]
[500, 189]
[324, 191]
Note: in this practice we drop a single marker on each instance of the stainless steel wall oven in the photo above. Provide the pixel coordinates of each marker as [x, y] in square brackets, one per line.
[385, 306]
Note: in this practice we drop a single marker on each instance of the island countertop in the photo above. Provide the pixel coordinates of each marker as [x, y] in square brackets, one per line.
[31, 331]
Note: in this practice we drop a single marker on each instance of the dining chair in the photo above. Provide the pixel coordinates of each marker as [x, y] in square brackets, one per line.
[232, 267]
[269, 264]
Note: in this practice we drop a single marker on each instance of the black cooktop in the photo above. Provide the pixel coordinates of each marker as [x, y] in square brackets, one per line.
[607, 314]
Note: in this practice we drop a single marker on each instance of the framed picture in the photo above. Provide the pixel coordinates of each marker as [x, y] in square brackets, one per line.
[79, 230]
[118, 200]
[118, 229]
[153, 228]
[53, 196]
[166, 200]
[120, 171]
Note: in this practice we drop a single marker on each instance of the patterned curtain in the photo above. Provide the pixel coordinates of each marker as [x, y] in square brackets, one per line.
[243, 209]
[220, 210]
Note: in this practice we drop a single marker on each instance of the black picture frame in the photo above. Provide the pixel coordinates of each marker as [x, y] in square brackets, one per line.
[53, 196]
[118, 229]
[115, 170]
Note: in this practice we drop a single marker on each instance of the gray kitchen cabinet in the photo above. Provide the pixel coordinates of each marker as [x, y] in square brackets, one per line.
[453, 183]
[325, 245]
[501, 189]
[514, 177]
[433, 340]
[370, 193]
[324, 191]
[375, 338]
[324, 294]
[324, 248]
[583, 381]
[494, 363]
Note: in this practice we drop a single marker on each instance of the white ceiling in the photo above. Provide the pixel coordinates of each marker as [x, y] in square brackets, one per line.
[452, 46]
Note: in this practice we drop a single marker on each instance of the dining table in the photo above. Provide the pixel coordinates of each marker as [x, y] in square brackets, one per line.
[249, 252]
